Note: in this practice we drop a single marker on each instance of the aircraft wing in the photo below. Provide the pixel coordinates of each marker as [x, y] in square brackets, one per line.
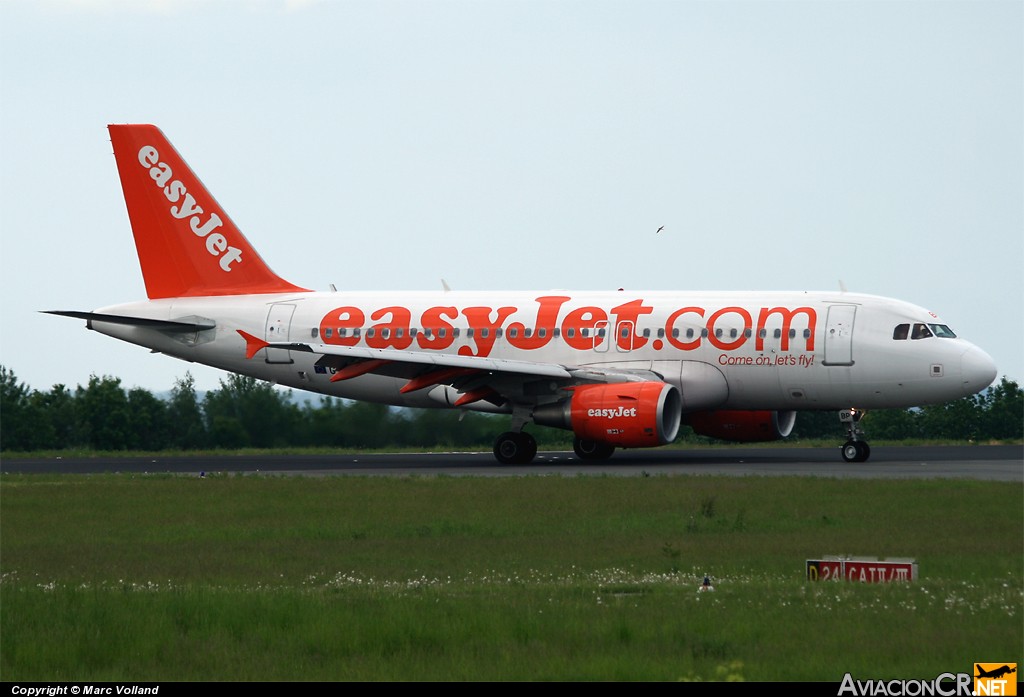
[497, 380]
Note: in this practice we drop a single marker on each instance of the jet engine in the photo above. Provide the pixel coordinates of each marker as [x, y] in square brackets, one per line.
[627, 414]
[743, 426]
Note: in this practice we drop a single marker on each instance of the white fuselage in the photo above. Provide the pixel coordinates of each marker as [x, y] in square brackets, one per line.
[735, 350]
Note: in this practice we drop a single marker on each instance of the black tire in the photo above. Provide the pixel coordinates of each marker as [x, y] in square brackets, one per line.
[850, 451]
[512, 448]
[865, 451]
[856, 451]
[529, 448]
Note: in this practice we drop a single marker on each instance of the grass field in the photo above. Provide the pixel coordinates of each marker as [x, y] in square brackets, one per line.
[118, 577]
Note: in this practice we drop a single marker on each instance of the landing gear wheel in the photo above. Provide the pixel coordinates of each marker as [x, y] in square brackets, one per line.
[529, 448]
[592, 449]
[513, 448]
[856, 451]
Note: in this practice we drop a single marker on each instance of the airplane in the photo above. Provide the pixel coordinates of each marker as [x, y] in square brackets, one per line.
[994, 673]
[620, 369]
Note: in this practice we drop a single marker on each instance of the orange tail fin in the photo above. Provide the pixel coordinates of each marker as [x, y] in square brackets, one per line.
[187, 245]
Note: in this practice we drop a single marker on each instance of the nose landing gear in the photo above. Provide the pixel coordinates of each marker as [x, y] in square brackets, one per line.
[855, 449]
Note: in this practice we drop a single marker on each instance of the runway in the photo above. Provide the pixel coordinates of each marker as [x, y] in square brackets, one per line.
[995, 463]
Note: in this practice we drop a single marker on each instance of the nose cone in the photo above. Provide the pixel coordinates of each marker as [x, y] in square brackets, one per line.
[977, 370]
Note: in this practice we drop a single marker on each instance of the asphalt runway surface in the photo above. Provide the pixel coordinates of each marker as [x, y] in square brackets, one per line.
[993, 462]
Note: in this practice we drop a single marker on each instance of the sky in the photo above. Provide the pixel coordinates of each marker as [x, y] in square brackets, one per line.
[524, 145]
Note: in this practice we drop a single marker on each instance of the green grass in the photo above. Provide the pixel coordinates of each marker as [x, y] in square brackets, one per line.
[119, 577]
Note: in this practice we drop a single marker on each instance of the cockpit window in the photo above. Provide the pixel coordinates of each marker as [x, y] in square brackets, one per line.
[921, 332]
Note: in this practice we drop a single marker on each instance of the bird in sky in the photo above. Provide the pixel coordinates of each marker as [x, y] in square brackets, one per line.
[660, 229]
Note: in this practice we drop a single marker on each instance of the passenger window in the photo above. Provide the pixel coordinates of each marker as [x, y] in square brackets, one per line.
[369, 333]
[807, 333]
[327, 332]
[513, 333]
[778, 334]
[900, 332]
[542, 332]
[570, 332]
[313, 333]
[469, 333]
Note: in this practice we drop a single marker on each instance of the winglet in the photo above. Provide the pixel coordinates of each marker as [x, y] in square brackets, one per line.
[253, 344]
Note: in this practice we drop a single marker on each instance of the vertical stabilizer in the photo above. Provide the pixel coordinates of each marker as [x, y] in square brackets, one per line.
[187, 245]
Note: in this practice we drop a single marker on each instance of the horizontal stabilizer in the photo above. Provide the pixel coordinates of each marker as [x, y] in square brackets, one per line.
[199, 323]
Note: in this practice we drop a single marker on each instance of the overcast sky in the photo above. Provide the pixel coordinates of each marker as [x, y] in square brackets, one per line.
[521, 145]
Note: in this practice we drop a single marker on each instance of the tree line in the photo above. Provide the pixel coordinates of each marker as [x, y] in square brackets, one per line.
[248, 413]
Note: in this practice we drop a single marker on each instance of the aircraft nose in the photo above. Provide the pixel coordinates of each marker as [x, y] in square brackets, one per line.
[977, 369]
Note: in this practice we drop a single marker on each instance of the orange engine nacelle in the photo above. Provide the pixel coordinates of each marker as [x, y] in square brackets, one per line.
[627, 414]
[743, 426]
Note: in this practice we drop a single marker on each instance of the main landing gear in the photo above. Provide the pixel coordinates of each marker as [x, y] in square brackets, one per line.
[515, 448]
[519, 448]
[855, 449]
